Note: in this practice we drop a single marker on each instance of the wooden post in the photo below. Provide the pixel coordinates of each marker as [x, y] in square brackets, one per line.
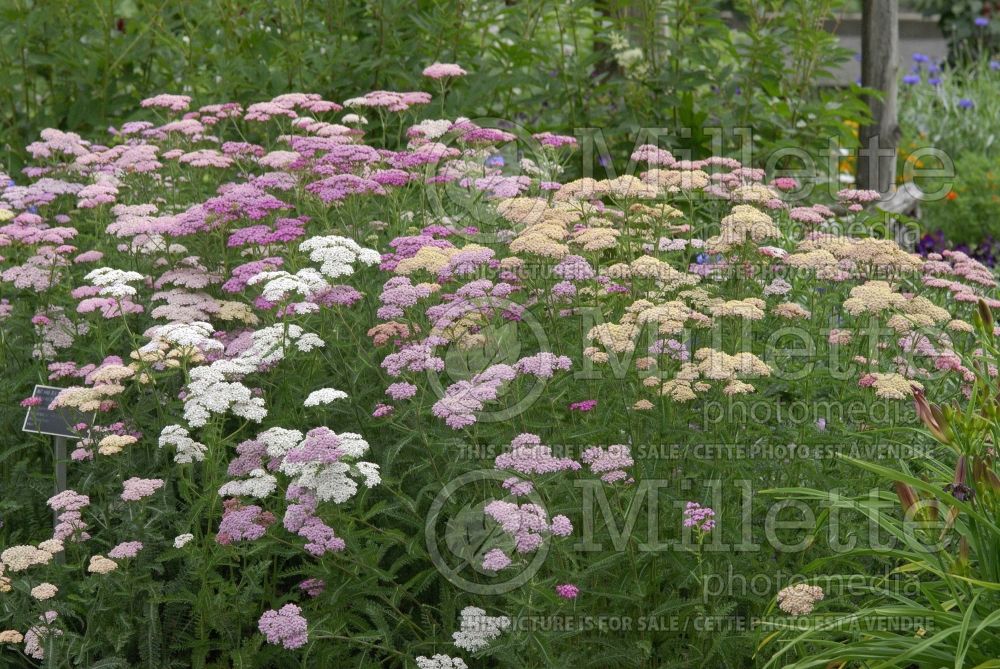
[879, 69]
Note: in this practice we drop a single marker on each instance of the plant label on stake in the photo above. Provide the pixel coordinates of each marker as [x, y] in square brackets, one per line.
[58, 423]
[54, 422]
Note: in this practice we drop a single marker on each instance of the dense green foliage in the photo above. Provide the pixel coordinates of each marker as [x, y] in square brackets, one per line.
[83, 64]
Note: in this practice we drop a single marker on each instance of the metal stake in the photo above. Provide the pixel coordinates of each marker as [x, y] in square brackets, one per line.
[60, 458]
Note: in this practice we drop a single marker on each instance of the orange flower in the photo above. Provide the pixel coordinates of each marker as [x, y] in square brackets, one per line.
[952, 195]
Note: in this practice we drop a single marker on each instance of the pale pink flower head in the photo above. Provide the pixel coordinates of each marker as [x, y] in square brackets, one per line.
[136, 488]
[442, 70]
[286, 626]
[496, 560]
[174, 103]
[127, 549]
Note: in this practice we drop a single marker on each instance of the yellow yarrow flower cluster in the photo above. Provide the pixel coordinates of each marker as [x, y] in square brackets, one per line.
[673, 181]
[873, 297]
[744, 224]
[894, 386]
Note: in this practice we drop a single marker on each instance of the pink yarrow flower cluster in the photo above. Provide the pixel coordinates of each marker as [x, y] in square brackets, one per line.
[69, 525]
[610, 462]
[443, 70]
[699, 517]
[136, 488]
[285, 627]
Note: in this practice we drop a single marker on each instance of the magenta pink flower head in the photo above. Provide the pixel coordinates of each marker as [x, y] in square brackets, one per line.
[286, 626]
[700, 517]
[442, 70]
[567, 591]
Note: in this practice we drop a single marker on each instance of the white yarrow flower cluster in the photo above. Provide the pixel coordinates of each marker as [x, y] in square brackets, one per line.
[324, 396]
[329, 481]
[197, 334]
[278, 441]
[114, 282]
[435, 128]
[211, 391]
[182, 540]
[279, 284]
[259, 485]
[441, 662]
[187, 449]
[337, 255]
[478, 630]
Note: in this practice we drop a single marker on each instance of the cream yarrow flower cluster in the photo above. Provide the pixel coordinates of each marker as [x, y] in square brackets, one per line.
[743, 225]
[800, 599]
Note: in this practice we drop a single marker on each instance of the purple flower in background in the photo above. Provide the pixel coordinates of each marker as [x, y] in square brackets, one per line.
[966, 103]
[934, 81]
[982, 21]
[495, 161]
[911, 79]
[995, 65]
[920, 58]
[313, 587]
[931, 243]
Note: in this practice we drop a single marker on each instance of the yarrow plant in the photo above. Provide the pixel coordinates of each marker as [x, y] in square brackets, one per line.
[291, 350]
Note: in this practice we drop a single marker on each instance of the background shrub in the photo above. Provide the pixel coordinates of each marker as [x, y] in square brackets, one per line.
[617, 66]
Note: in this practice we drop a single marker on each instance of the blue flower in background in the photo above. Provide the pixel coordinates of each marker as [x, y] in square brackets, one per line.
[920, 58]
[32, 209]
[701, 259]
[495, 161]
[995, 65]
[934, 81]
[982, 21]
[10, 183]
[911, 79]
[966, 103]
